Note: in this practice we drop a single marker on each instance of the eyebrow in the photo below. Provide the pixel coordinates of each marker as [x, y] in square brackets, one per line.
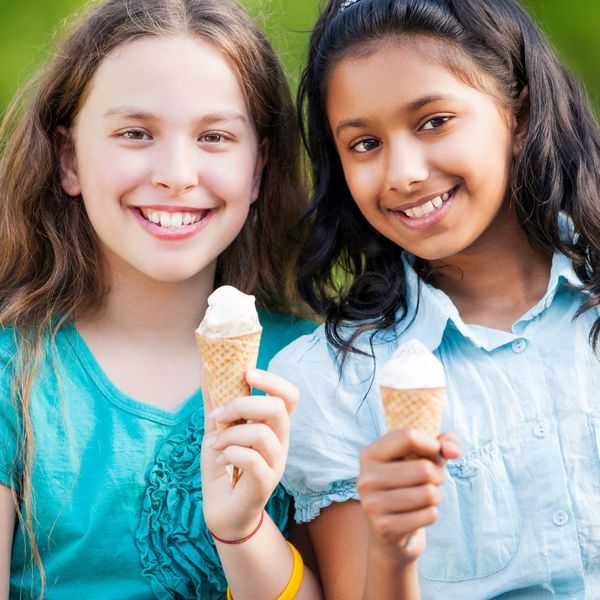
[135, 113]
[408, 108]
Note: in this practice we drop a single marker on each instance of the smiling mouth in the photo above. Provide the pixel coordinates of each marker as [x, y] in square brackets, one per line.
[173, 220]
[427, 208]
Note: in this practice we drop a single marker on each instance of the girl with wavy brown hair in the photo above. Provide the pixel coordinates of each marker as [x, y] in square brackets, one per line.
[154, 158]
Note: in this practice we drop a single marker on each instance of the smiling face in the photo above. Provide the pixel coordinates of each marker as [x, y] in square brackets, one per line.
[165, 156]
[426, 156]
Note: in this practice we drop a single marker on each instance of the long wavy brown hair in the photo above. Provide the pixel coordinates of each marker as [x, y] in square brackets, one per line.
[51, 266]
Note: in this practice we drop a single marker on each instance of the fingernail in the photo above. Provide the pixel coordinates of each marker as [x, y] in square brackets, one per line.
[254, 374]
[216, 413]
[210, 439]
[412, 543]
[220, 459]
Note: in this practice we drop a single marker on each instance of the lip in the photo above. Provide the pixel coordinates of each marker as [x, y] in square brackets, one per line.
[428, 220]
[173, 233]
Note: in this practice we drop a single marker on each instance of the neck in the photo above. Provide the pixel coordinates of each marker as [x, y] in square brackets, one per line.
[496, 280]
[144, 310]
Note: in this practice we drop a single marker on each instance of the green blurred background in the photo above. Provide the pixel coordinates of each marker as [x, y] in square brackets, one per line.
[26, 28]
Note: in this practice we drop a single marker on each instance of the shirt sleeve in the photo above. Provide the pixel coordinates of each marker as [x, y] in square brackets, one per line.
[333, 422]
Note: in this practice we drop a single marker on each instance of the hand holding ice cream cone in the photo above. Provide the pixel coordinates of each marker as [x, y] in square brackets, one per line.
[401, 472]
[228, 340]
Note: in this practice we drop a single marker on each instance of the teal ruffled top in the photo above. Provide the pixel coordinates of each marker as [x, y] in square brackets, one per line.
[118, 500]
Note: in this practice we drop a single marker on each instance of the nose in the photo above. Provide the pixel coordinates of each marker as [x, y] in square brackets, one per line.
[176, 168]
[407, 166]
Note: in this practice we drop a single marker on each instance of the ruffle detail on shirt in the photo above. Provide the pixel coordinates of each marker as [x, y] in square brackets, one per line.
[309, 506]
[177, 553]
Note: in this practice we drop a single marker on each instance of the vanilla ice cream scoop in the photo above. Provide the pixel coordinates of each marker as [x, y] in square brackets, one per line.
[412, 366]
[230, 313]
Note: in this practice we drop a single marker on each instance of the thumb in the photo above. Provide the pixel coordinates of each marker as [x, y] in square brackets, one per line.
[450, 447]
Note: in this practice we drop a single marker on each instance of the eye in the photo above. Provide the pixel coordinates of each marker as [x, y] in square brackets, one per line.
[213, 137]
[364, 145]
[135, 134]
[436, 122]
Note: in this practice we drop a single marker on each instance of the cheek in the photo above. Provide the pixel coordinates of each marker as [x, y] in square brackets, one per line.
[363, 183]
[110, 170]
[231, 175]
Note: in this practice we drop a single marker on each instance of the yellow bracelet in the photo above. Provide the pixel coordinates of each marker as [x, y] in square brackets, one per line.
[293, 585]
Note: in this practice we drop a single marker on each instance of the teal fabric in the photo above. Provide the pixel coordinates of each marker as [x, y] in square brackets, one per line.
[116, 482]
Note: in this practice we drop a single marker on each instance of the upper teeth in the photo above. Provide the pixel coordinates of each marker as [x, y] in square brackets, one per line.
[171, 219]
[428, 207]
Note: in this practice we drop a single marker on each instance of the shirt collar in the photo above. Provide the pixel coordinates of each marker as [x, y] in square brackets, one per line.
[431, 312]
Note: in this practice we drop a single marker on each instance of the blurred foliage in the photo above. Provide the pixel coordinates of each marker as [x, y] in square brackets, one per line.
[26, 28]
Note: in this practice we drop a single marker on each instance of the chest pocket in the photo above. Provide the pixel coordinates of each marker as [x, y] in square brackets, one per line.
[476, 533]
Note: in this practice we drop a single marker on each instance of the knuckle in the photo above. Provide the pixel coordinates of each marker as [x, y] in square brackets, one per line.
[366, 482]
[370, 504]
[431, 494]
[384, 528]
[364, 456]
[411, 436]
[426, 470]
[430, 515]
[294, 395]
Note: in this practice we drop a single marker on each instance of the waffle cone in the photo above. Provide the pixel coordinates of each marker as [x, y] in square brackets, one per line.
[413, 408]
[225, 362]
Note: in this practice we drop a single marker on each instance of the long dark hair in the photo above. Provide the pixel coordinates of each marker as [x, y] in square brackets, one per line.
[352, 274]
[50, 259]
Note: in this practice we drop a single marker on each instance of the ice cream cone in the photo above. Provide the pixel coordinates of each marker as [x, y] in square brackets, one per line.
[413, 408]
[225, 361]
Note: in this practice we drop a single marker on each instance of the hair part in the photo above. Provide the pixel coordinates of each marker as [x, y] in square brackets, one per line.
[51, 265]
[351, 273]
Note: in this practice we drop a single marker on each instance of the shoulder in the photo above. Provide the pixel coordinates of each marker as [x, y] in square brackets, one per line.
[305, 349]
[279, 330]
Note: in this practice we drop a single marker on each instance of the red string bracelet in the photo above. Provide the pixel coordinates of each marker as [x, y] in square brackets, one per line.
[244, 539]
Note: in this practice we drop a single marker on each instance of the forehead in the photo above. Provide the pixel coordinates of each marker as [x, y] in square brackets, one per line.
[178, 75]
[396, 72]
[422, 50]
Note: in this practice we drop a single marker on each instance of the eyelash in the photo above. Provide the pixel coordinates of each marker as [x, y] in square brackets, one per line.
[129, 133]
[444, 119]
[138, 135]
[213, 134]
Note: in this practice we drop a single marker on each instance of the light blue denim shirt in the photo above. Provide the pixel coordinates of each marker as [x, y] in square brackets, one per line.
[520, 515]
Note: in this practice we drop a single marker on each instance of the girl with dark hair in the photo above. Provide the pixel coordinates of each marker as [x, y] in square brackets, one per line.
[155, 158]
[456, 201]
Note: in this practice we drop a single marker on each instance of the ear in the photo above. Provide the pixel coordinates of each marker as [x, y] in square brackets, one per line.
[67, 161]
[261, 161]
[521, 124]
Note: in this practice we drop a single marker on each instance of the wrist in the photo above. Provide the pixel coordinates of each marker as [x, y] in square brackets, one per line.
[397, 556]
[237, 535]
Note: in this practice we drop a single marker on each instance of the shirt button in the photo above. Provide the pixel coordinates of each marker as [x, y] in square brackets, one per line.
[519, 345]
[541, 429]
[560, 518]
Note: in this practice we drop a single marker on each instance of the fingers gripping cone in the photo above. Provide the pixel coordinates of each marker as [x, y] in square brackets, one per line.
[226, 358]
[413, 388]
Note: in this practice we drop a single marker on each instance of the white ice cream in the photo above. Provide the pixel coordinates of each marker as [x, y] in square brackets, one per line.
[412, 366]
[230, 313]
